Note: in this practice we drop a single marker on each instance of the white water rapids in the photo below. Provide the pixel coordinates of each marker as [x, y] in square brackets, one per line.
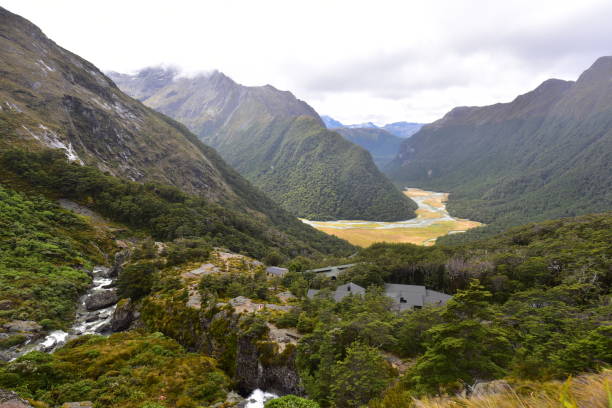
[86, 322]
[258, 398]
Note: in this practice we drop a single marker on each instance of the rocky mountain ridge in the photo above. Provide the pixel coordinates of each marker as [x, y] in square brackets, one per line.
[277, 142]
[400, 129]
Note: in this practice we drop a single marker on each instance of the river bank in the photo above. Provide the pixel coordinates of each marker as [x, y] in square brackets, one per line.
[94, 315]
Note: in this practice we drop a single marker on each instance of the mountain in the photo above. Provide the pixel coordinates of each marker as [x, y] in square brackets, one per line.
[52, 98]
[546, 154]
[399, 129]
[382, 145]
[403, 129]
[366, 125]
[277, 142]
[382, 142]
[330, 122]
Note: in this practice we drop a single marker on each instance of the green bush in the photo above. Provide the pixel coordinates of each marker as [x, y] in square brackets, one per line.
[44, 251]
[291, 401]
[125, 370]
[137, 280]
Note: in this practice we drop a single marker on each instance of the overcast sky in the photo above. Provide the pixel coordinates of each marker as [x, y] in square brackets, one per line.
[356, 61]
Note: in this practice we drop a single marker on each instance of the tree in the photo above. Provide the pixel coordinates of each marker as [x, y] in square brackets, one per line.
[136, 281]
[361, 376]
[467, 346]
[273, 257]
[590, 352]
[299, 287]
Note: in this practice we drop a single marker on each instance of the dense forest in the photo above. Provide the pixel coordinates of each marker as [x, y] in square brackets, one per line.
[40, 245]
[163, 211]
[530, 305]
[312, 163]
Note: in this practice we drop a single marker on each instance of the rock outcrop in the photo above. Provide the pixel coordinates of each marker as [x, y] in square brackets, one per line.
[274, 373]
[22, 326]
[81, 404]
[101, 299]
[240, 342]
[123, 316]
[10, 399]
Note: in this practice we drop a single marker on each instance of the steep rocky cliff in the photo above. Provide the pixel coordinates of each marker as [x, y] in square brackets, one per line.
[240, 342]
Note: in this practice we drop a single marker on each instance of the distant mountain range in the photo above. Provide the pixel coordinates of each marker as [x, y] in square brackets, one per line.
[382, 145]
[547, 154]
[277, 142]
[382, 142]
[399, 129]
[403, 129]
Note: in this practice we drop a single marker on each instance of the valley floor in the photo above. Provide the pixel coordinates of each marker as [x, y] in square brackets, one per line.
[432, 222]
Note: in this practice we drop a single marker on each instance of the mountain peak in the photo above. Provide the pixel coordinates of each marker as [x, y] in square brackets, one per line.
[600, 70]
[330, 122]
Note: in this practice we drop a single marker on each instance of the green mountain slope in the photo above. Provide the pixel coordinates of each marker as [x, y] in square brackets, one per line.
[547, 154]
[277, 142]
[51, 98]
[382, 145]
[40, 246]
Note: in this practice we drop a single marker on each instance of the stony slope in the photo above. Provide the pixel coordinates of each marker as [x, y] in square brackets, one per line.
[547, 154]
[50, 97]
[277, 142]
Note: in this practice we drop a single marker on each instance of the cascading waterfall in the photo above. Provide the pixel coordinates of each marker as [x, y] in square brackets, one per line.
[93, 317]
[258, 398]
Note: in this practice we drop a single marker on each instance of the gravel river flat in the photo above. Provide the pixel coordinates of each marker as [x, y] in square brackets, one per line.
[432, 222]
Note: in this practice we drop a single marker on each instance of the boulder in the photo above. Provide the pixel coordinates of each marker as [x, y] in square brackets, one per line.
[92, 318]
[239, 301]
[286, 296]
[101, 272]
[100, 299]
[490, 388]
[123, 316]
[272, 306]
[23, 326]
[233, 398]
[10, 399]
[6, 304]
[121, 258]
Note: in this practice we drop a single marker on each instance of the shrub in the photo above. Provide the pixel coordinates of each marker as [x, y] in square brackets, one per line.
[291, 401]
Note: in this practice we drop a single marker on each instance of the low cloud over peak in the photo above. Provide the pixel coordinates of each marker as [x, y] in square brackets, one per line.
[357, 61]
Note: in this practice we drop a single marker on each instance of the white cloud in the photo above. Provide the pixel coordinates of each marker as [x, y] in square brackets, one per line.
[355, 60]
